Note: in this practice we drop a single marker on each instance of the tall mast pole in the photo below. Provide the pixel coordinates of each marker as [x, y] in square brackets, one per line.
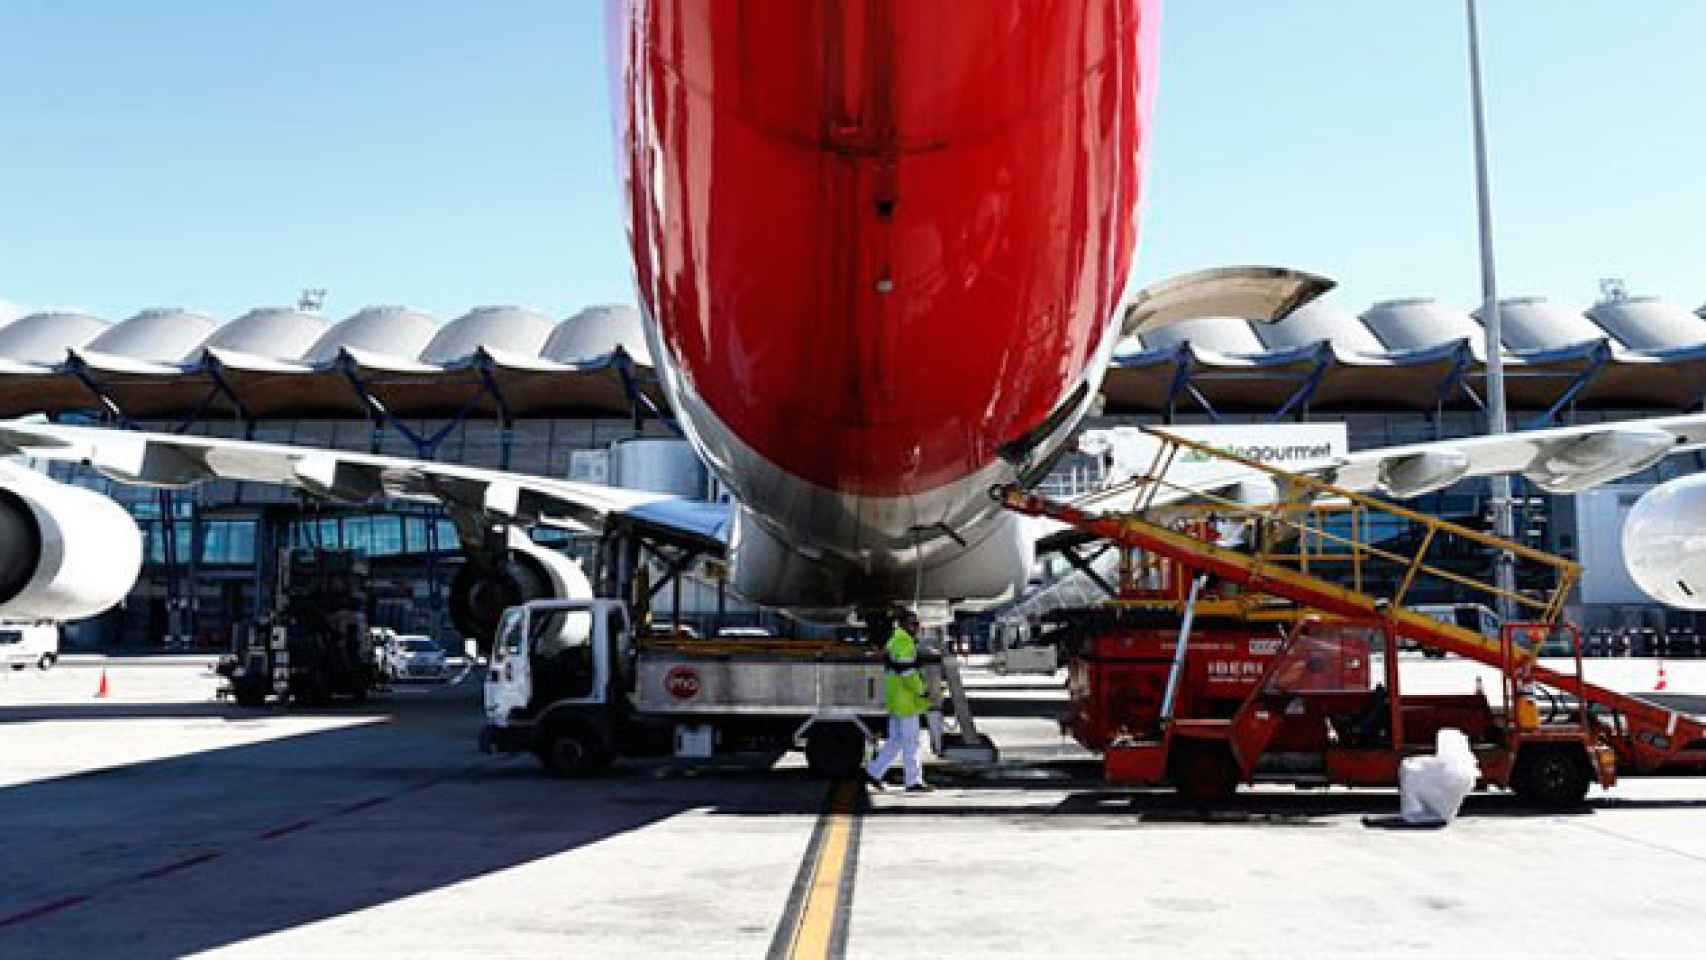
[1497, 421]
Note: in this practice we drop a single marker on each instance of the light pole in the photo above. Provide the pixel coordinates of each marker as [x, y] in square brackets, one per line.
[1504, 563]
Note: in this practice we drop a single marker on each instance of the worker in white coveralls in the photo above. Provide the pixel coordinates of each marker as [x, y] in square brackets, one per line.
[904, 693]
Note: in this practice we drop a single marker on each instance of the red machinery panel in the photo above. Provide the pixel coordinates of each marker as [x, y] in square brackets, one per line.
[1118, 678]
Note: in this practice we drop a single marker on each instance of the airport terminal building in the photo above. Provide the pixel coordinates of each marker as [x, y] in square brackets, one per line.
[516, 388]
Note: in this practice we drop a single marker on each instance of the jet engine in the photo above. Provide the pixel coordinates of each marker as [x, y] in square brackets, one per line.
[515, 574]
[65, 552]
[1664, 542]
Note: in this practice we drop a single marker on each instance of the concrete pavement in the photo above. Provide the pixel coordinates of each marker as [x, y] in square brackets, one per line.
[160, 823]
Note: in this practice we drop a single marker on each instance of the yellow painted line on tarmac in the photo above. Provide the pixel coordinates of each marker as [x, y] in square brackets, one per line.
[814, 925]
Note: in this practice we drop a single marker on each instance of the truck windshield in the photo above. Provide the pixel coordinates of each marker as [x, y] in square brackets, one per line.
[552, 631]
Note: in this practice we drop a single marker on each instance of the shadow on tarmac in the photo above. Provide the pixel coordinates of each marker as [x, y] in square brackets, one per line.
[1087, 797]
[108, 711]
[169, 857]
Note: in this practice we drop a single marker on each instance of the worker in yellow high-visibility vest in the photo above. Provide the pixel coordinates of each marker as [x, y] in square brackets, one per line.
[904, 693]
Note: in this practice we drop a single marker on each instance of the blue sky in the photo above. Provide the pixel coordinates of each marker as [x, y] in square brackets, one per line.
[449, 154]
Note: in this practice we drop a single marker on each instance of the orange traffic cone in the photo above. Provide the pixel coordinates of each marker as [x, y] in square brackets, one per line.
[101, 691]
[1663, 683]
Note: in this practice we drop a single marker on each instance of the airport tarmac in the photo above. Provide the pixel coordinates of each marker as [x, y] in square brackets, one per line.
[158, 822]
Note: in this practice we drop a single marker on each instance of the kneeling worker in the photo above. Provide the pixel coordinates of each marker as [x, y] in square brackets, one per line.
[904, 695]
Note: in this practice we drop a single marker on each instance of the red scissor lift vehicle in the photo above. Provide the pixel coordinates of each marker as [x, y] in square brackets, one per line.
[1222, 663]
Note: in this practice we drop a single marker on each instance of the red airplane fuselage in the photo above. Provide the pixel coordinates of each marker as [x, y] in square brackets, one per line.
[879, 244]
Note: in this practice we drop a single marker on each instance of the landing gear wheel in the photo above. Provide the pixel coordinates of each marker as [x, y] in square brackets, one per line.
[1204, 773]
[570, 750]
[835, 751]
[46, 661]
[249, 694]
[1550, 778]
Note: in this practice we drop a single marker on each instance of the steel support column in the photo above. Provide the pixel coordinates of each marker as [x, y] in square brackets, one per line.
[1584, 379]
[1182, 364]
[1454, 380]
[639, 404]
[506, 421]
[1299, 398]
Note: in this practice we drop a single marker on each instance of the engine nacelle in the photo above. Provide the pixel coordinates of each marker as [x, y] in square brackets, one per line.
[66, 553]
[481, 592]
[1664, 542]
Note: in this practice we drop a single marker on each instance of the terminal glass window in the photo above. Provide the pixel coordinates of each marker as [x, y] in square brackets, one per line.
[386, 536]
[230, 542]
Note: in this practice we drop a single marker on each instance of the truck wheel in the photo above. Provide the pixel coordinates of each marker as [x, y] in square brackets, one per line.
[835, 751]
[1550, 777]
[46, 662]
[313, 692]
[1204, 772]
[572, 750]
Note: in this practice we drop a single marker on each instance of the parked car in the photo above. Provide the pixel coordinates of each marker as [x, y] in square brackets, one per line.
[416, 657]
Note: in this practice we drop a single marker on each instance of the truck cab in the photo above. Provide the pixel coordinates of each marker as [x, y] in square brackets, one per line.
[555, 682]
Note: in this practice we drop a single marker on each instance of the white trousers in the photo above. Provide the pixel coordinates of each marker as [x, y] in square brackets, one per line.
[902, 739]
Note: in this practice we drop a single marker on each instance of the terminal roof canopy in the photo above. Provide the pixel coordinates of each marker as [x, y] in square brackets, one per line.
[1316, 322]
[596, 332]
[1648, 323]
[391, 331]
[277, 362]
[1421, 323]
[156, 335]
[274, 333]
[43, 339]
[513, 330]
[1535, 323]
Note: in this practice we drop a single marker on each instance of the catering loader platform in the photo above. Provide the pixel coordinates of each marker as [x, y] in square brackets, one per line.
[1304, 596]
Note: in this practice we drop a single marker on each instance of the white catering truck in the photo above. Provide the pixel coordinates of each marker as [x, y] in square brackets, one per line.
[570, 682]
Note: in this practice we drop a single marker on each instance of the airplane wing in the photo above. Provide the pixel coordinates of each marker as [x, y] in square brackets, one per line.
[172, 460]
[1557, 460]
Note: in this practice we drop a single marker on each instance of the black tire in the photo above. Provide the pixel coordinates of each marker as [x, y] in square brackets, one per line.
[571, 750]
[249, 694]
[313, 692]
[45, 662]
[1204, 772]
[1551, 777]
[835, 751]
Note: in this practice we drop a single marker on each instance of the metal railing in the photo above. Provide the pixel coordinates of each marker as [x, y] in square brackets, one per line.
[1298, 513]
